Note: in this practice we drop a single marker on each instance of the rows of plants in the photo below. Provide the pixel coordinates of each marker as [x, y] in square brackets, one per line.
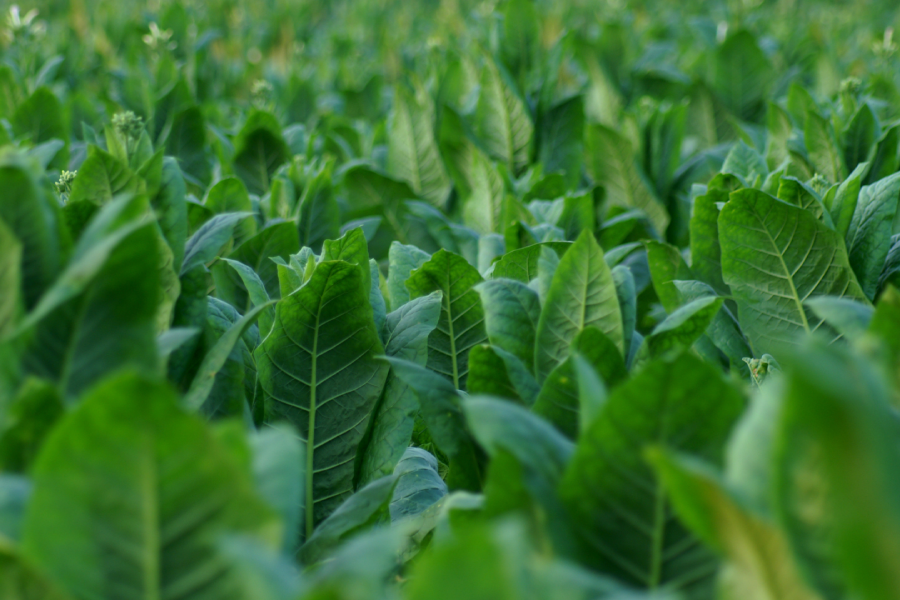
[450, 299]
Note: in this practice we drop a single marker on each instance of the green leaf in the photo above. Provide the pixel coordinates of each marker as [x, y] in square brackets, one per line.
[890, 273]
[412, 149]
[230, 195]
[405, 336]
[611, 163]
[320, 216]
[501, 118]
[461, 326]
[559, 399]
[318, 372]
[21, 581]
[760, 565]
[849, 318]
[32, 215]
[215, 359]
[352, 248]
[522, 264]
[276, 240]
[869, 234]
[40, 118]
[582, 294]
[100, 315]
[206, 243]
[102, 177]
[257, 292]
[778, 131]
[822, 147]
[846, 197]
[278, 462]
[684, 326]
[25, 423]
[521, 42]
[370, 192]
[439, 408]
[10, 278]
[706, 253]
[627, 295]
[187, 141]
[15, 491]
[171, 210]
[666, 267]
[837, 455]
[259, 150]
[561, 148]
[775, 257]
[486, 208]
[495, 372]
[616, 498]
[724, 331]
[419, 486]
[741, 75]
[859, 137]
[403, 260]
[502, 426]
[511, 314]
[169, 489]
[745, 163]
[886, 158]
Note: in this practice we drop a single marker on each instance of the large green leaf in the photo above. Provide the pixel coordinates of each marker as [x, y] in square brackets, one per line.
[759, 562]
[684, 326]
[611, 163]
[259, 150]
[502, 122]
[835, 487]
[461, 326]
[496, 372]
[439, 409]
[10, 278]
[278, 473]
[822, 147]
[706, 253]
[25, 423]
[366, 508]
[741, 75]
[167, 488]
[522, 264]
[869, 234]
[582, 294]
[207, 241]
[521, 40]
[102, 177]
[405, 336]
[775, 256]
[40, 118]
[403, 260]
[317, 371]
[559, 400]
[278, 240]
[511, 314]
[320, 216]
[562, 139]
[33, 216]
[100, 314]
[614, 496]
[21, 581]
[412, 150]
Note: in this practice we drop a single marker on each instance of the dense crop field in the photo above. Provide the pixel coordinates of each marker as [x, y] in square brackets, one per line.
[444, 299]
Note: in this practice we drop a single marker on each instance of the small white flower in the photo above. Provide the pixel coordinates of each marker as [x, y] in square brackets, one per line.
[159, 39]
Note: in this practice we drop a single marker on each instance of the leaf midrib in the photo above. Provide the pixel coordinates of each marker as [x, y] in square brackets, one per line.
[789, 275]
